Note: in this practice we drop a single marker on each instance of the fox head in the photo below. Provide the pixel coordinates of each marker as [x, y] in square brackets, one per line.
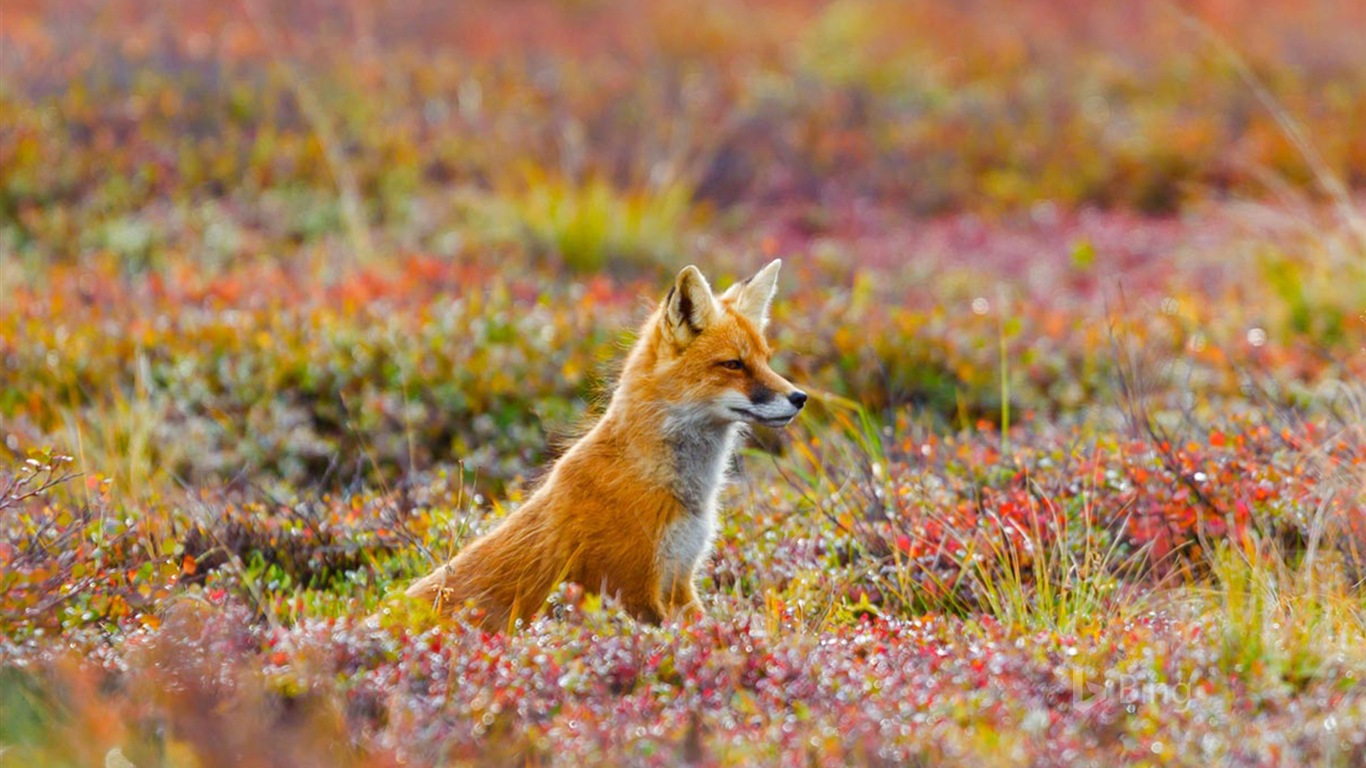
[710, 358]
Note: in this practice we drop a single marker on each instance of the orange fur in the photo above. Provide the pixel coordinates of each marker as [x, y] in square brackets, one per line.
[629, 510]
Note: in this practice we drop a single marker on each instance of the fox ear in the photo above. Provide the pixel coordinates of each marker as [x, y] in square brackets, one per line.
[690, 306]
[754, 296]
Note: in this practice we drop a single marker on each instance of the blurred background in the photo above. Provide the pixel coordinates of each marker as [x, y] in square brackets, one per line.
[277, 227]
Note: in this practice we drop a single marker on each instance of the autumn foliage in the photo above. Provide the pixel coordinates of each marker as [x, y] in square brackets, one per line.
[297, 298]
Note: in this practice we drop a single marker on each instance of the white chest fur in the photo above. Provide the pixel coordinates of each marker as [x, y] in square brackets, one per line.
[701, 453]
[684, 543]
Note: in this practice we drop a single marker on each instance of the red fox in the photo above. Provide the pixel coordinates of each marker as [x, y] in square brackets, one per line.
[630, 509]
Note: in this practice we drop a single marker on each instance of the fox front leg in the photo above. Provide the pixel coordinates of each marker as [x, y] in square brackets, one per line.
[648, 611]
[683, 600]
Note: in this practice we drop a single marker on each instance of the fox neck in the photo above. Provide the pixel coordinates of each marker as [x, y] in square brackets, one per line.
[701, 451]
[698, 447]
[694, 444]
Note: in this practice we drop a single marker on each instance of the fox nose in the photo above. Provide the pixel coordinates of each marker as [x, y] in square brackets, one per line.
[797, 398]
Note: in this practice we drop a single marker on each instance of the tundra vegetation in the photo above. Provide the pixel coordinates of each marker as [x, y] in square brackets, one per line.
[296, 298]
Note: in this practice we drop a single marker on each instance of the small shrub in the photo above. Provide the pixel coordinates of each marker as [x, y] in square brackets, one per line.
[592, 225]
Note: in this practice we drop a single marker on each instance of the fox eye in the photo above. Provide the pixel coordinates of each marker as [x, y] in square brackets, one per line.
[732, 365]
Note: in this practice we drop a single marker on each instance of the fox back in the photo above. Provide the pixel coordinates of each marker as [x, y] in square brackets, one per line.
[630, 509]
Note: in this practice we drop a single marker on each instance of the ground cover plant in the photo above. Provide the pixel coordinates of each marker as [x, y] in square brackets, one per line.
[296, 299]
